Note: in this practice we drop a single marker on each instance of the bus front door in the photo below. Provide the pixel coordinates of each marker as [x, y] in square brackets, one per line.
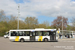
[32, 36]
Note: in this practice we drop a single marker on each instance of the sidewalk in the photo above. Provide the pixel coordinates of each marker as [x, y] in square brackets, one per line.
[67, 39]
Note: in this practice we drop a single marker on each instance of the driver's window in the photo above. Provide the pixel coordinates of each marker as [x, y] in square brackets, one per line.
[14, 33]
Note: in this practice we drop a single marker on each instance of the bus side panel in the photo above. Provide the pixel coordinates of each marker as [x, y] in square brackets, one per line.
[26, 38]
[12, 38]
[41, 38]
[36, 38]
[17, 38]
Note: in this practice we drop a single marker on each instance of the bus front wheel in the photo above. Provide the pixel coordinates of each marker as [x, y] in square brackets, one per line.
[21, 40]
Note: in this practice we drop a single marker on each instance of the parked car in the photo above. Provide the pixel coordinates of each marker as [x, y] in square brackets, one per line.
[6, 36]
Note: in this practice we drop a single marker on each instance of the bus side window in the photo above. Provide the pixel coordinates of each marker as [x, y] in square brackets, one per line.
[27, 33]
[20, 33]
[33, 33]
[13, 33]
[24, 33]
[45, 33]
[38, 33]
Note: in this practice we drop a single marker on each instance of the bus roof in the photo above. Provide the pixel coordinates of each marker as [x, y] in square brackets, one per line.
[34, 30]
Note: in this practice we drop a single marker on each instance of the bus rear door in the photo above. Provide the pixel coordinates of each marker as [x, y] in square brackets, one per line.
[52, 36]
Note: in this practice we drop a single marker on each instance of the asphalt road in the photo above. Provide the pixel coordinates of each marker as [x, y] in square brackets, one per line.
[65, 44]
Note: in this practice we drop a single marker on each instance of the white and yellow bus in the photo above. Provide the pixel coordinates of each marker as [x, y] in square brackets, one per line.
[33, 35]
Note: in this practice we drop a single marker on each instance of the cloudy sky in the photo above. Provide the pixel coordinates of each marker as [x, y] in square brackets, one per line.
[44, 10]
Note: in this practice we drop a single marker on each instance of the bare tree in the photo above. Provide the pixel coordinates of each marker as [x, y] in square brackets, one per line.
[57, 23]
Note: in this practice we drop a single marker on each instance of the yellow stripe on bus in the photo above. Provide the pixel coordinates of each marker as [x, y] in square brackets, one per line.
[17, 38]
[40, 38]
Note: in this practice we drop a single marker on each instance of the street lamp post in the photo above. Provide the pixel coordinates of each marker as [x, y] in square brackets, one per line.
[18, 17]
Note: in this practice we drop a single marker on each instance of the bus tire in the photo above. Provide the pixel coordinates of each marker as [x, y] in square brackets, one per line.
[21, 40]
[46, 40]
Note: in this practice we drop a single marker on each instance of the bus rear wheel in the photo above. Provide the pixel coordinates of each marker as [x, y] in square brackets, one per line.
[46, 40]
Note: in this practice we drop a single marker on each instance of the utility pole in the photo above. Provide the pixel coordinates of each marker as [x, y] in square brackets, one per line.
[62, 24]
[18, 16]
